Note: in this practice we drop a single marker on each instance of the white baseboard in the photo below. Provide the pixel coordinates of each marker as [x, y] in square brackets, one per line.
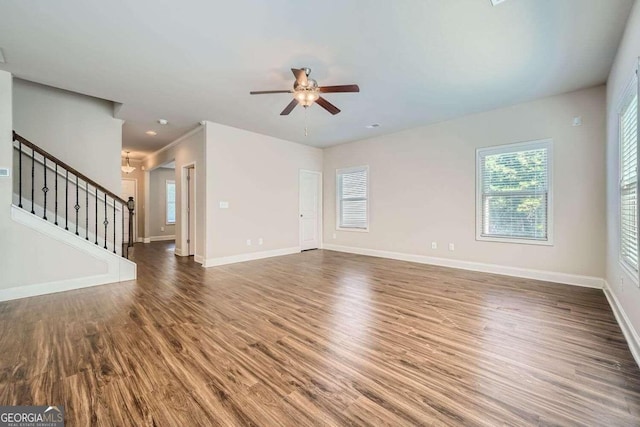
[547, 276]
[213, 262]
[158, 238]
[118, 269]
[629, 332]
[199, 259]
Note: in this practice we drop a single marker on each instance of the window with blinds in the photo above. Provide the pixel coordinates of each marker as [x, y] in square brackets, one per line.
[171, 202]
[352, 198]
[513, 196]
[629, 180]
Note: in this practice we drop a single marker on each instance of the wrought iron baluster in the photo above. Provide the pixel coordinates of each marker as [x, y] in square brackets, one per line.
[122, 245]
[96, 215]
[114, 225]
[56, 213]
[77, 206]
[66, 200]
[45, 189]
[33, 173]
[106, 221]
[86, 209]
[20, 172]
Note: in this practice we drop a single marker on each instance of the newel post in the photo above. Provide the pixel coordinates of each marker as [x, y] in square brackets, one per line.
[131, 206]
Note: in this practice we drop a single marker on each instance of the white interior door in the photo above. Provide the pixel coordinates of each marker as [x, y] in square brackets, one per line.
[310, 214]
[129, 190]
[191, 210]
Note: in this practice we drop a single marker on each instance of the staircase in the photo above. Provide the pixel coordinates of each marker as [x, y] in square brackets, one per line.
[54, 191]
[78, 227]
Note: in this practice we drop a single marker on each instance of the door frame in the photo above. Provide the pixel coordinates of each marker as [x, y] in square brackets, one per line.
[136, 237]
[320, 208]
[184, 210]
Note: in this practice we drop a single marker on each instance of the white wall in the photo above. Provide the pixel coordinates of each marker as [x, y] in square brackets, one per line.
[258, 175]
[29, 257]
[186, 150]
[77, 129]
[158, 202]
[422, 186]
[627, 293]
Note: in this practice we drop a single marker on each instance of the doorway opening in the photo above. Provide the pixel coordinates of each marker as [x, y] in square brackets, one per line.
[310, 209]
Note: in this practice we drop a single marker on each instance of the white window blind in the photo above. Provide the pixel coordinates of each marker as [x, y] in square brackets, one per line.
[629, 181]
[352, 191]
[171, 202]
[513, 192]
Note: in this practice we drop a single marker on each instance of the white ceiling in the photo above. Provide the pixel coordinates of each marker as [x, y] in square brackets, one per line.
[416, 61]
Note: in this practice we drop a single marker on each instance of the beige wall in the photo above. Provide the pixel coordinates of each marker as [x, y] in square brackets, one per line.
[187, 150]
[258, 175]
[622, 285]
[79, 130]
[422, 185]
[157, 199]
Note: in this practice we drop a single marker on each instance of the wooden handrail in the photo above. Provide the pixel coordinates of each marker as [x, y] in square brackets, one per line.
[39, 150]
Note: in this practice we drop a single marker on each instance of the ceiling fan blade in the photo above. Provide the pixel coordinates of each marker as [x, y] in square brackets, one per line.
[328, 106]
[262, 92]
[342, 88]
[289, 107]
[301, 76]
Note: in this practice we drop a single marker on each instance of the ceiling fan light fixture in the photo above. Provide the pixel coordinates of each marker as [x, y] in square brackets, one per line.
[306, 97]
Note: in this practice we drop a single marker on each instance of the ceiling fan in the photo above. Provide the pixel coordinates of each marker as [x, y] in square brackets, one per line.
[306, 91]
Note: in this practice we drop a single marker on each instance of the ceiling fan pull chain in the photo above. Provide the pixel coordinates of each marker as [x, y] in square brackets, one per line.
[306, 131]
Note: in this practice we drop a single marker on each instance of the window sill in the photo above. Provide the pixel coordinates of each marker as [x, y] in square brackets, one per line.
[548, 242]
[357, 230]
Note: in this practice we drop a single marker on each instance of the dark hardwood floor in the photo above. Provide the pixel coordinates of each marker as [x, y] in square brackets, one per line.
[319, 338]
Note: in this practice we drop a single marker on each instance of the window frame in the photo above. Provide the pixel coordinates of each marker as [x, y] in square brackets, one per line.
[338, 198]
[166, 201]
[630, 91]
[510, 148]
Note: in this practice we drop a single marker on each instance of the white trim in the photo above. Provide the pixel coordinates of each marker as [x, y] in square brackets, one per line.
[547, 276]
[199, 259]
[118, 269]
[629, 332]
[184, 208]
[174, 143]
[159, 238]
[213, 262]
[338, 191]
[508, 148]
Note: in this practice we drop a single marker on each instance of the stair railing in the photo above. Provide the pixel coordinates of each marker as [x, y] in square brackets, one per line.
[98, 215]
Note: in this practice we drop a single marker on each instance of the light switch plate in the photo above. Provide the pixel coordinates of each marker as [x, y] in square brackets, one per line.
[5, 172]
[224, 204]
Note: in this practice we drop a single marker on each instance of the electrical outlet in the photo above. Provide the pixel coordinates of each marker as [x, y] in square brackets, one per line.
[248, 242]
[434, 245]
[622, 283]
[260, 241]
[161, 228]
[335, 236]
[452, 247]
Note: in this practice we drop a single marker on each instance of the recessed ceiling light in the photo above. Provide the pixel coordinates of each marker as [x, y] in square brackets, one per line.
[163, 121]
[2, 57]
[373, 125]
[152, 133]
[497, 2]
